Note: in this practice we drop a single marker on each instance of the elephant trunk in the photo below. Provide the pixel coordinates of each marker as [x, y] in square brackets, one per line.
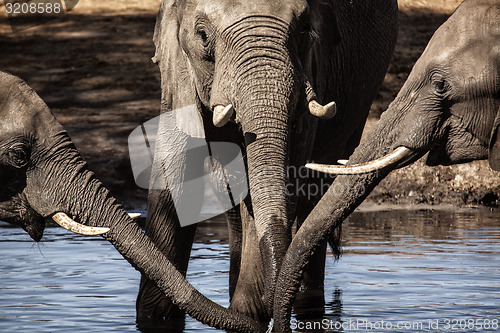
[345, 194]
[265, 92]
[267, 161]
[68, 186]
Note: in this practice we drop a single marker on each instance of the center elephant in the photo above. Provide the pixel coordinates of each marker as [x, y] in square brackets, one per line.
[288, 82]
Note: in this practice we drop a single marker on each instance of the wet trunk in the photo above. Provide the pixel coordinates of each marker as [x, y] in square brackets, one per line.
[264, 91]
[69, 187]
[342, 198]
[267, 161]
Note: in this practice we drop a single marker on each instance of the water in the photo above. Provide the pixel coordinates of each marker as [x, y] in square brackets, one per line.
[401, 271]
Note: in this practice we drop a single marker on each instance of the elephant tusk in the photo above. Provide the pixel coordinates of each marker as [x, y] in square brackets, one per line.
[222, 114]
[67, 223]
[134, 216]
[390, 159]
[322, 112]
[343, 162]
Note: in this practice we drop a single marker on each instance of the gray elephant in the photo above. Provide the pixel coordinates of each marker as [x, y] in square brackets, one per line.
[258, 73]
[449, 107]
[42, 175]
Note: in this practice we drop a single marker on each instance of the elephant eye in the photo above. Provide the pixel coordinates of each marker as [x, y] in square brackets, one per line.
[204, 32]
[18, 155]
[203, 36]
[440, 85]
[306, 29]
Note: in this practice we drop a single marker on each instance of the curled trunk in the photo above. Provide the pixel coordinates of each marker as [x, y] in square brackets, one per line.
[70, 188]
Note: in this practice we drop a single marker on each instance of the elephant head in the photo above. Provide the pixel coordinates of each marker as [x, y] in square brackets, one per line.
[242, 63]
[43, 175]
[449, 107]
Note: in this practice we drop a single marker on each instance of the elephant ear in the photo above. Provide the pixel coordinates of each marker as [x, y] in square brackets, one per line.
[494, 151]
[326, 29]
[177, 86]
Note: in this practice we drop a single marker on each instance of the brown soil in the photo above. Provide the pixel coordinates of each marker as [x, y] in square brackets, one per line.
[93, 68]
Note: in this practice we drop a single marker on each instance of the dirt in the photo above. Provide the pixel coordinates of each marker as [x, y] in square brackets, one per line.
[93, 68]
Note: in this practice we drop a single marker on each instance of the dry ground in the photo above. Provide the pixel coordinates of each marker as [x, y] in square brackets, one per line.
[93, 69]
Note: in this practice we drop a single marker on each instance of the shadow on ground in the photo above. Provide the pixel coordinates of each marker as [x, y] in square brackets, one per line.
[95, 73]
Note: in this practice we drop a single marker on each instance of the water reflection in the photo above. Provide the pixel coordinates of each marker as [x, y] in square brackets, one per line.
[417, 268]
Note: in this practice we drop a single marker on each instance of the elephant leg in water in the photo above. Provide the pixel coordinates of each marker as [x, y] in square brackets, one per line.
[449, 107]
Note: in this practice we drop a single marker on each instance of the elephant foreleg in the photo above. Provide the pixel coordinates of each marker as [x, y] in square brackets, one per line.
[163, 228]
[248, 294]
[235, 246]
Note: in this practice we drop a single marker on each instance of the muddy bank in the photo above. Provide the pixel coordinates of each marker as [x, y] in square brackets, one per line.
[93, 69]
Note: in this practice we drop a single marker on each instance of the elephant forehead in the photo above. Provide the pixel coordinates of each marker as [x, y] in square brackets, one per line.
[23, 112]
[469, 49]
[469, 57]
[17, 120]
[228, 12]
[14, 113]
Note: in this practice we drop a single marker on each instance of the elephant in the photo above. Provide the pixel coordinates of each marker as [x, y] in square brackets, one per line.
[288, 81]
[449, 107]
[43, 175]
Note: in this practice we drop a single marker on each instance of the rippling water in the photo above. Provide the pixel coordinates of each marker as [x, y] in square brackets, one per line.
[401, 271]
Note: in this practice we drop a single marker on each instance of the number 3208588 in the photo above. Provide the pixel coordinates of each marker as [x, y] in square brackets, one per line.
[33, 8]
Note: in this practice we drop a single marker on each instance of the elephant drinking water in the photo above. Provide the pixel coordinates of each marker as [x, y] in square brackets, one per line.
[288, 81]
[448, 107]
[43, 175]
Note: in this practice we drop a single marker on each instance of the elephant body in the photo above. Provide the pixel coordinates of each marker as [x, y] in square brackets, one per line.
[449, 107]
[258, 72]
[42, 175]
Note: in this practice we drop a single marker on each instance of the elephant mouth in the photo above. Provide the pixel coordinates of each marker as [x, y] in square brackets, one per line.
[438, 156]
[17, 211]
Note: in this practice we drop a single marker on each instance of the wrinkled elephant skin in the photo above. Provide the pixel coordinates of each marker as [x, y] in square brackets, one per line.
[43, 175]
[449, 107]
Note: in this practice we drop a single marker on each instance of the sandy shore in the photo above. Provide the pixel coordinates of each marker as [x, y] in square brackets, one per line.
[93, 68]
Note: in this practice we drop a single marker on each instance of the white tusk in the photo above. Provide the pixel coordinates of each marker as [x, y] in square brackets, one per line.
[390, 159]
[134, 215]
[67, 223]
[343, 162]
[323, 112]
[222, 114]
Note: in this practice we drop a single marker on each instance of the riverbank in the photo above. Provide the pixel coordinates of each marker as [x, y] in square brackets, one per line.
[93, 69]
